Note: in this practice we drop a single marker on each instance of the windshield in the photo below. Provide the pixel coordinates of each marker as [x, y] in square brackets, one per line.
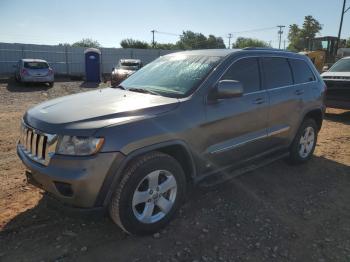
[129, 65]
[174, 75]
[343, 65]
[36, 65]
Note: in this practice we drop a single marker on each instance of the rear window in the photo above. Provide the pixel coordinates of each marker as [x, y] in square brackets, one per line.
[277, 72]
[36, 65]
[301, 71]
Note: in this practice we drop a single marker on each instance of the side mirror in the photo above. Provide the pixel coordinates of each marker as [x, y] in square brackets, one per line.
[325, 68]
[113, 69]
[228, 89]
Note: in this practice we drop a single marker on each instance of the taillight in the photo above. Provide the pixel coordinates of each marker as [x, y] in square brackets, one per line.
[24, 71]
[50, 71]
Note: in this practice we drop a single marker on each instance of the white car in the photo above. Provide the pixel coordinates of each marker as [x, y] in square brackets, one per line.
[337, 79]
[34, 70]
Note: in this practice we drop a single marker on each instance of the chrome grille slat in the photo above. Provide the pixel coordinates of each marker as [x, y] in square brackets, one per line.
[37, 145]
[40, 147]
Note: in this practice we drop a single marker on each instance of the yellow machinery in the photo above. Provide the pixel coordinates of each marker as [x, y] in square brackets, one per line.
[322, 50]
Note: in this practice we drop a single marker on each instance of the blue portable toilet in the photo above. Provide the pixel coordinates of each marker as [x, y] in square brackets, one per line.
[92, 65]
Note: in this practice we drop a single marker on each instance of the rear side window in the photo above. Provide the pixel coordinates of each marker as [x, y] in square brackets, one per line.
[246, 71]
[277, 72]
[301, 71]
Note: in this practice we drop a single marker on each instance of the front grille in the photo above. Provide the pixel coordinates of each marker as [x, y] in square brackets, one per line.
[37, 145]
[337, 77]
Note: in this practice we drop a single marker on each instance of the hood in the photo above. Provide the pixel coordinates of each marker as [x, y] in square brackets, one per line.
[89, 111]
[332, 74]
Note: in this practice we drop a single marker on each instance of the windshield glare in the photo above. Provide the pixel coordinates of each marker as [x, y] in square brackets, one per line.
[342, 65]
[174, 75]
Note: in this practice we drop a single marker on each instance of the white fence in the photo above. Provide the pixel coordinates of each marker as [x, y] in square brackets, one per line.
[69, 60]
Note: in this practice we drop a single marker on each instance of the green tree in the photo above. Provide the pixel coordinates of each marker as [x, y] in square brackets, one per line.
[192, 40]
[215, 42]
[242, 42]
[310, 27]
[87, 42]
[131, 43]
[294, 38]
[165, 46]
[299, 38]
[64, 44]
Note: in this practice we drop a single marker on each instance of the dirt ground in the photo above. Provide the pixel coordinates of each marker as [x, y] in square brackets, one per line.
[276, 213]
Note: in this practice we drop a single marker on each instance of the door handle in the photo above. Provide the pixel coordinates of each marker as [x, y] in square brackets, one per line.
[258, 101]
[299, 92]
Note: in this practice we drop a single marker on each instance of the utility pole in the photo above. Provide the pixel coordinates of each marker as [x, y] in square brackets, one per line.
[280, 32]
[153, 31]
[229, 40]
[341, 22]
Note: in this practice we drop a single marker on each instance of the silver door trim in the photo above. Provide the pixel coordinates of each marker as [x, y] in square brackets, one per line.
[273, 133]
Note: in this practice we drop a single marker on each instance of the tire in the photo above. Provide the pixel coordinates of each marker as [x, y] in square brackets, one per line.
[135, 195]
[297, 154]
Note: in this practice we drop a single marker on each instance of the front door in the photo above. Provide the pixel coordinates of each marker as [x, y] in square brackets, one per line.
[237, 127]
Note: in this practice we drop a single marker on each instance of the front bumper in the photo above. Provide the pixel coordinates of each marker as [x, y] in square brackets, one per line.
[77, 181]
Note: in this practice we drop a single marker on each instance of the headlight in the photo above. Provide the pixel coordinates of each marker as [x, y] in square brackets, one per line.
[79, 145]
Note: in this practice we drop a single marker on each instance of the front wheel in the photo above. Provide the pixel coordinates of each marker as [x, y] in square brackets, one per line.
[304, 143]
[149, 194]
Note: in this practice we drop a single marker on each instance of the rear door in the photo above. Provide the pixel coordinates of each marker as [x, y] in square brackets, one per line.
[285, 109]
[236, 127]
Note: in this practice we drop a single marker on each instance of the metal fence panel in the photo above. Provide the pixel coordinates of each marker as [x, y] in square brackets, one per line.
[67, 60]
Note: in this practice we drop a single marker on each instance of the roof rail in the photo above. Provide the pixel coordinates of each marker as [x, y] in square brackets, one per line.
[262, 48]
[267, 49]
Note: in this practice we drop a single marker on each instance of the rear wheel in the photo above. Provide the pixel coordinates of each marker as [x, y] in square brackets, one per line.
[304, 142]
[149, 194]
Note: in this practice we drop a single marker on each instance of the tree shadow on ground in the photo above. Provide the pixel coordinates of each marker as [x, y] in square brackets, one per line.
[290, 211]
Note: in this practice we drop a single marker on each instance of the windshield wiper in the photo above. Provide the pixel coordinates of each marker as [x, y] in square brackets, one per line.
[120, 87]
[145, 91]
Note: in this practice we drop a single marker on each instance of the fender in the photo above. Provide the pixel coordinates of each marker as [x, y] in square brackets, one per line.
[115, 173]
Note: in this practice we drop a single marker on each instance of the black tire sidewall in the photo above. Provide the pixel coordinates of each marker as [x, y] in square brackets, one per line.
[126, 215]
[294, 152]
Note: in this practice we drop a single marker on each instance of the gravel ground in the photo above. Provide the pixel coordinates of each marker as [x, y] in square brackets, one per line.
[276, 213]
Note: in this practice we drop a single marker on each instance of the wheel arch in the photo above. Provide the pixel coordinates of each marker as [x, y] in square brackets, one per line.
[317, 115]
[178, 149]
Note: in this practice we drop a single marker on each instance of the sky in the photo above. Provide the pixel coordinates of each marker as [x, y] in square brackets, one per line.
[109, 21]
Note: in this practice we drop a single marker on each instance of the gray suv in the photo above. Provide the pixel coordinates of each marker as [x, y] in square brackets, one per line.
[135, 149]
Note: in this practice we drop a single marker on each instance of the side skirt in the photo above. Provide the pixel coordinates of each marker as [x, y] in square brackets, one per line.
[229, 172]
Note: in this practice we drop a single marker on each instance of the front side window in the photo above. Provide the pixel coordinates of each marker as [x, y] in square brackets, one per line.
[277, 72]
[246, 71]
[301, 71]
[173, 75]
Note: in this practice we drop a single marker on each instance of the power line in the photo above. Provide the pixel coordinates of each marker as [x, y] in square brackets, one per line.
[254, 30]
